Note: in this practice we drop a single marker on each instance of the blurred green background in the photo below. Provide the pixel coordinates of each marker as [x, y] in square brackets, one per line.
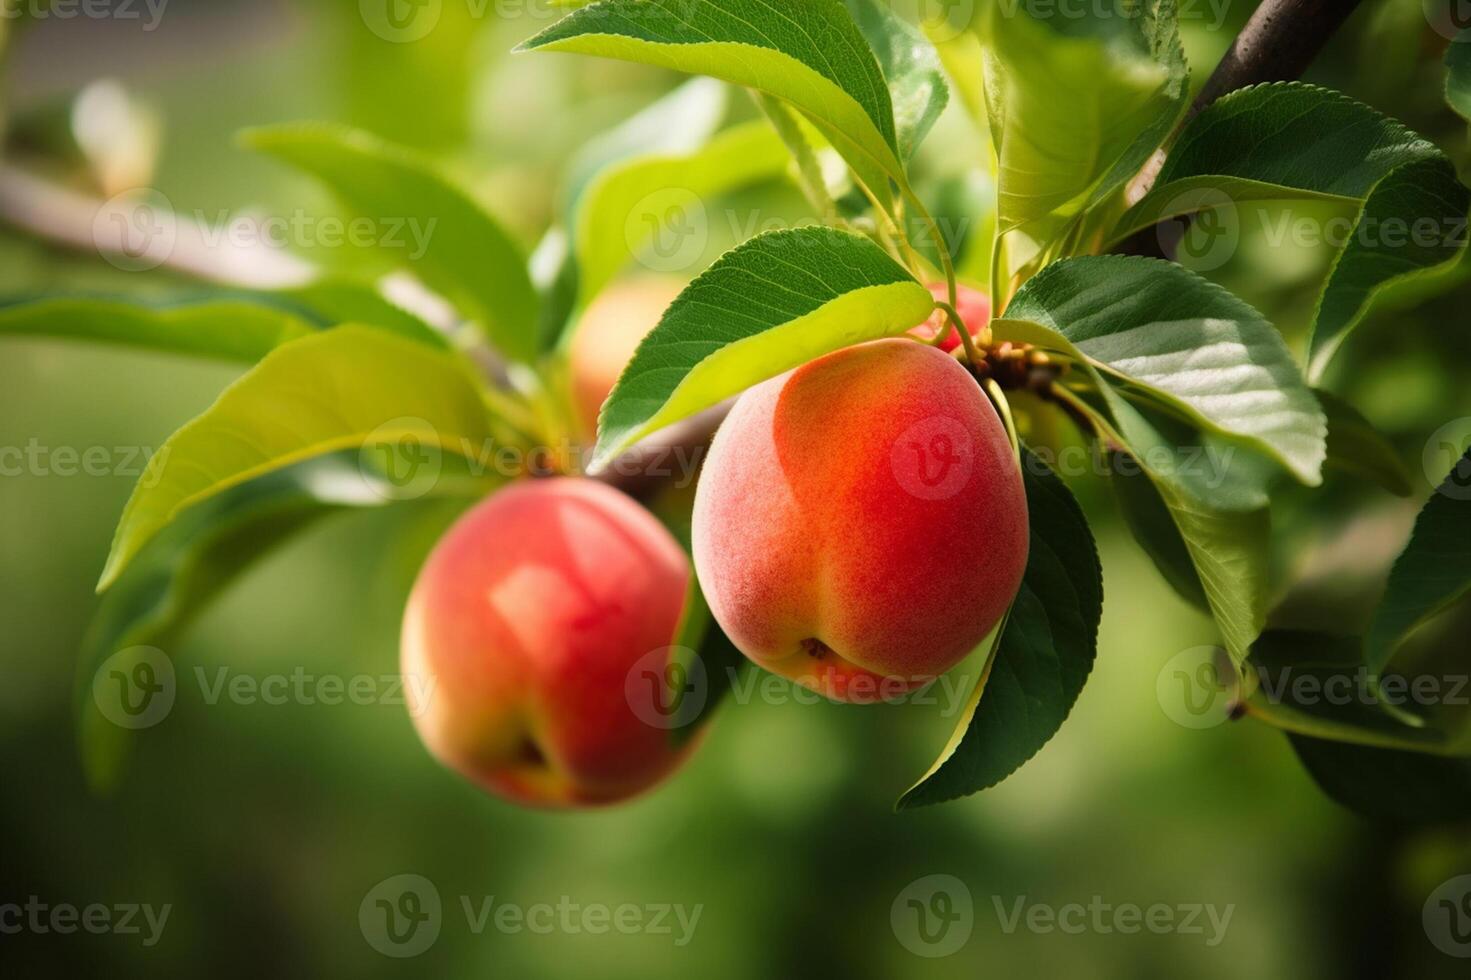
[264, 827]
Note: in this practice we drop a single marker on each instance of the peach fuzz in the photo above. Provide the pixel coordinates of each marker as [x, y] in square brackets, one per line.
[522, 631]
[860, 524]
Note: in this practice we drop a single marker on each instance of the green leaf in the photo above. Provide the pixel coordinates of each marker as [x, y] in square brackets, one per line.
[1076, 104]
[184, 570]
[1046, 651]
[1154, 528]
[1378, 254]
[339, 389]
[460, 250]
[1288, 140]
[767, 306]
[917, 89]
[1314, 684]
[1388, 784]
[1216, 499]
[1432, 573]
[678, 124]
[1230, 550]
[1357, 448]
[1186, 344]
[811, 55]
[337, 300]
[227, 330]
[1458, 74]
[626, 208]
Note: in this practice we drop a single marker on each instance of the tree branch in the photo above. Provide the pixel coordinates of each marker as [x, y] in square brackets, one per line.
[1279, 41]
[1277, 44]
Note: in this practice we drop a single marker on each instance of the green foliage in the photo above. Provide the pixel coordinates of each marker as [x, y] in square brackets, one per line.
[917, 89]
[1076, 106]
[1458, 74]
[772, 304]
[338, 300]
[1186, 345]
[1312, 684]
[183, 570]
[339, 389]
[1042, 658]
[1216, 499]
[1357, 448]
[227, 330]
[625, 207]
[811, 55]
[1432, 573]
[1289, 141]
[465, 254]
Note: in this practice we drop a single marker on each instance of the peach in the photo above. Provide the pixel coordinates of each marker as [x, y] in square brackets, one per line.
[860, 524]
[522, 633]
[973, 306]
[606, 336]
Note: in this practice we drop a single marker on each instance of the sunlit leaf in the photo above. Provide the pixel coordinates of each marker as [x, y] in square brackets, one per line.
[1287, 141]
[228, 330]
[457, 248]
[769, 305]
[338, 389]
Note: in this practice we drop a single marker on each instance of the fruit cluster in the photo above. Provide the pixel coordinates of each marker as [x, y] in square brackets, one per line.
[859, 527]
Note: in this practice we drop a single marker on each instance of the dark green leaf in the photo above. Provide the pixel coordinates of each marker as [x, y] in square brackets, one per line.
[184, 570]
[1154, 528]
[1434, 570]
[1216, 496]
[1403, 787]
[1289, 140]
[1046, 651]
[1357, 448]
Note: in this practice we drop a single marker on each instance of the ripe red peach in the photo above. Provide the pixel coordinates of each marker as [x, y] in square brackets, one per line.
[522, 632]
[606, 336]
[860, 524]
[973, 306]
